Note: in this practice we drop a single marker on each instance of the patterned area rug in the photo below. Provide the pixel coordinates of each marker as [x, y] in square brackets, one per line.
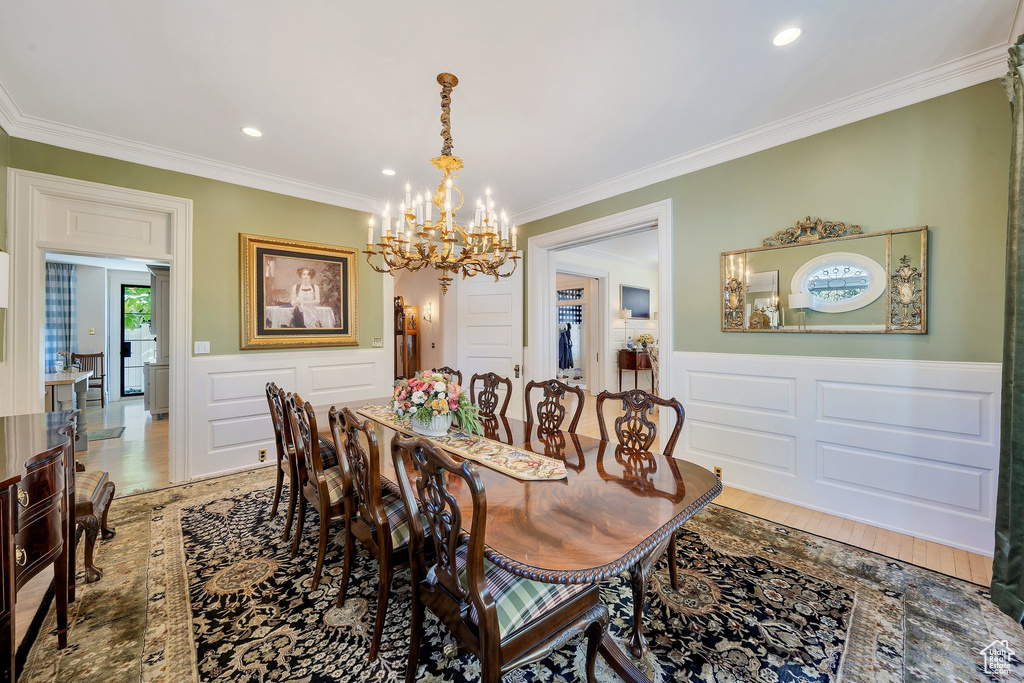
[199, 586]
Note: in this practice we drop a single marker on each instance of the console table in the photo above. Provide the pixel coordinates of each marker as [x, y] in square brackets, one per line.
[636, 361]
[37, 516]
[69, 389]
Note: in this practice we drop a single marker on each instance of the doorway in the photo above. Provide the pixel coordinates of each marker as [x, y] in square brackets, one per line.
[138, 343]
[577, 347]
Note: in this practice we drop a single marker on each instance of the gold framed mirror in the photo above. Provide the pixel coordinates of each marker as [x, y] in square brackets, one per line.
[828, 277]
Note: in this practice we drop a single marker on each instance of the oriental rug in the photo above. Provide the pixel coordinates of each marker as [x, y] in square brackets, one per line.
[199, 586]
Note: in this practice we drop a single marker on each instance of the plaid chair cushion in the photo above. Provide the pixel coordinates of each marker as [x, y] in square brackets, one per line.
[327, 453]
[517, 600]
[335, 484]
[394, 510]
[87, 485]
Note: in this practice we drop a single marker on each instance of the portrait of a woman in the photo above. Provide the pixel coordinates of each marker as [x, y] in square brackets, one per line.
[306, 297]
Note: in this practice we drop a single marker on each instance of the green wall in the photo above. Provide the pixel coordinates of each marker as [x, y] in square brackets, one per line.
[941, 163]
[221, 211]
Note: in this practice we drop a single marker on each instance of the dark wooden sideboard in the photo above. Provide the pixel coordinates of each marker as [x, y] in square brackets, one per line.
[37, 516]
[636, 361]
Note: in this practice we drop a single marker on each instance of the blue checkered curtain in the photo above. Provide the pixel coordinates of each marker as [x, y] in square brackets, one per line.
[60, 311]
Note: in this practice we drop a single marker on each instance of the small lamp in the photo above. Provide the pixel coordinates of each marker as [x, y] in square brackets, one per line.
[799, 301]
[625, 314]
[5, 279]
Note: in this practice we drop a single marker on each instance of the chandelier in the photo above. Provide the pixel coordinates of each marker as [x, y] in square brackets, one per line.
[482, 246]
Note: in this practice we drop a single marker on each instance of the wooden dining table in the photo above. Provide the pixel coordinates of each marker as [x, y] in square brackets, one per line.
[615, 512]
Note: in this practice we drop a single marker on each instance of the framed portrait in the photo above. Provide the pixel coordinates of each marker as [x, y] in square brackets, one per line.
[297, 294]
[637, 300]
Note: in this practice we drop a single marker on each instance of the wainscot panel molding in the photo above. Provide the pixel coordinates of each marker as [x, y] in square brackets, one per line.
[910, 446]
[230, 420]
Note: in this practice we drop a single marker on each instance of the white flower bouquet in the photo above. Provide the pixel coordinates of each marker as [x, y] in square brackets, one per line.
[430, 395]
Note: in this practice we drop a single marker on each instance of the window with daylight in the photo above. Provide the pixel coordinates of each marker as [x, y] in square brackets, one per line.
[840, 282]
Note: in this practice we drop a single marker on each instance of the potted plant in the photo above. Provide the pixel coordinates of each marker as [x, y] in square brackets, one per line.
[429, 401]
[645, 339]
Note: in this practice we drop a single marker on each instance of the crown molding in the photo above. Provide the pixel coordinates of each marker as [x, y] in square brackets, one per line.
[940, 80]
[19, 125]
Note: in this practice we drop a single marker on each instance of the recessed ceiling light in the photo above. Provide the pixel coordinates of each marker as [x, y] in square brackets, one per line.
[786, 36]
[388, 171]
[253, 132]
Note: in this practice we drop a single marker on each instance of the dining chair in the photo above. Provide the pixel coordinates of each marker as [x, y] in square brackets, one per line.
[94, 362]
[551, 409]
[323, 487]
[285, 448]
[507, 621]
[376, 519]
[488, 399]
[635, 430]
[457, 374]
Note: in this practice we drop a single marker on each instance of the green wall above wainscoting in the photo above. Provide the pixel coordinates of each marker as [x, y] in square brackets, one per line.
[221, 211]
[5, 161]
[941, 163]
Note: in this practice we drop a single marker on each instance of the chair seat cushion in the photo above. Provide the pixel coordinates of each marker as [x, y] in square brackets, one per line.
[518, 600]
[335, 484]
[394, 510]
[328, 456]
[88, 486]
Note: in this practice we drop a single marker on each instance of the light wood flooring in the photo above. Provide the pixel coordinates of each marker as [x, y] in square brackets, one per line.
[940, 558]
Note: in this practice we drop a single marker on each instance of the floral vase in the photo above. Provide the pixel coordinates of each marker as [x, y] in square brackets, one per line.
[436, 426]
[643, 346]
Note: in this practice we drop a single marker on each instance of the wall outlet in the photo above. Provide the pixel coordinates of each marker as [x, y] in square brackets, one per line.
[718, 472]
[432, 345]
[378, 342]
[263, 455]
[202, 347]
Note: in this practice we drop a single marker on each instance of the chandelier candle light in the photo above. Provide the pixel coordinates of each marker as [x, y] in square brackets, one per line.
[484, 245]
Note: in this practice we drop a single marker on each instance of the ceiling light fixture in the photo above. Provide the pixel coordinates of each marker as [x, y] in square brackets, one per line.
[388, 171]
[482, 246]
[252, 132]
[786, 36]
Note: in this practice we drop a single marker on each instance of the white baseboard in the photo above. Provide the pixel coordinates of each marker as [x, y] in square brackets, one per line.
[230, 419]
[910, 446]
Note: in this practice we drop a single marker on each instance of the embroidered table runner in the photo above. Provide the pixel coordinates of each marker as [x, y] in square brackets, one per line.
[516, 463]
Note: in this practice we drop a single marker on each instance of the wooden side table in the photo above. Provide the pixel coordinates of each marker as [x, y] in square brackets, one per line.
[635, 361]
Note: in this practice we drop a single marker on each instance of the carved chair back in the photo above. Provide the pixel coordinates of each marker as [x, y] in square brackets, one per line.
[433, 498]
[457, 374]
[488, 398]
[634, 429]
[361, 466]
[306, 439]
[279, 418]
[551, 409]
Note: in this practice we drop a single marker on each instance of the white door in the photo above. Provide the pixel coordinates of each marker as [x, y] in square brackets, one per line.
[489, 332]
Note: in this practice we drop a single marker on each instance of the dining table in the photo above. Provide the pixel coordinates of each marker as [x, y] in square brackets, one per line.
[615, 511]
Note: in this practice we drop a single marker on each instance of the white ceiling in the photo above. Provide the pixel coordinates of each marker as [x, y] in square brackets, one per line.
[637, 249]
[555, 99]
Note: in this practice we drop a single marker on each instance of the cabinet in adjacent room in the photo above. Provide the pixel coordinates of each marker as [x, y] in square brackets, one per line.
[156, 378]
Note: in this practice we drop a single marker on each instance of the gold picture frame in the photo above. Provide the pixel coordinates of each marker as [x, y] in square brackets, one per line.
[297, 294]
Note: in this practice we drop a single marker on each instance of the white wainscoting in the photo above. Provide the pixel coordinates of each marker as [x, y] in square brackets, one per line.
[911, 446]
[230, 419]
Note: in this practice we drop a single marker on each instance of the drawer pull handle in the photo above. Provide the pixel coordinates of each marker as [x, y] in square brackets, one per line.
[20, 556]
[23, 497]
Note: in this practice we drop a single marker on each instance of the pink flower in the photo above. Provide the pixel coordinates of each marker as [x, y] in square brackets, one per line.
[453, 403]
[408, 405]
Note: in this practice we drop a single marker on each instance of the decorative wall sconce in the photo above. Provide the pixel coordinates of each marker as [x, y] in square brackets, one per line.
[428, 312]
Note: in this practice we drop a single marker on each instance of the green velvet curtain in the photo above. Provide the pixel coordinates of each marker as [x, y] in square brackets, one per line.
[1008, 562]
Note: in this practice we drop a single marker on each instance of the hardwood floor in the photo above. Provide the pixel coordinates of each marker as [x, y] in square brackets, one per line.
[940, 558]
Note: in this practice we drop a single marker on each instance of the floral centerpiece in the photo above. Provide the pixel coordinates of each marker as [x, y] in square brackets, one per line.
[430, 401]
[645, 339]
[62, 362]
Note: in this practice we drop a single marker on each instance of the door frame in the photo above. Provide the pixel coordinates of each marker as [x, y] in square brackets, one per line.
[27, 193]
[542, 259]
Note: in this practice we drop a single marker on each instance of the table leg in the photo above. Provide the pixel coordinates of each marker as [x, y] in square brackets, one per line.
[636, 375]
[82, 444]
[64, 397]
[638, 582]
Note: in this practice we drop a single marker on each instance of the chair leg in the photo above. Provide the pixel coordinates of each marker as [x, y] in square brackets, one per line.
[346, 571]
[292, 493]
[298, 525]
[383, 595]
[414, 637]
[325, 524]
[672, 572]
[107, 532]
[595, 632]
[277, 491]
[92, 530]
